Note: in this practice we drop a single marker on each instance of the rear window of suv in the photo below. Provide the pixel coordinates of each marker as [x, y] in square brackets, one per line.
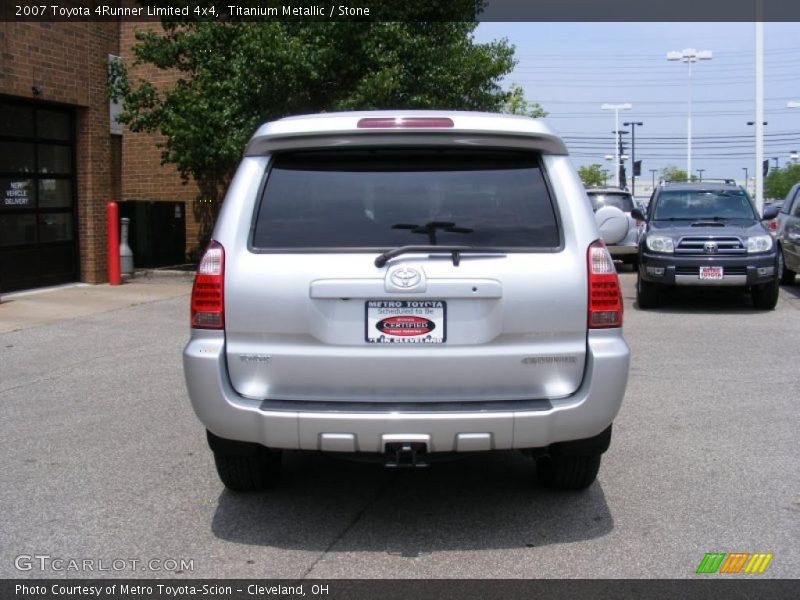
[384, 198]
[624, 202]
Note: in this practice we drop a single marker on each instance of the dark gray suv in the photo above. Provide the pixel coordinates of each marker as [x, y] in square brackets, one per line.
[705, 234]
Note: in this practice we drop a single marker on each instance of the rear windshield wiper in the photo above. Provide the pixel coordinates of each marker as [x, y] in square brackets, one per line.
[455, 251]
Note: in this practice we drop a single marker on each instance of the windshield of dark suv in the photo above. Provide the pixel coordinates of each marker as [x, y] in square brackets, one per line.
[696, 205]
[624, 202]
[386, 198]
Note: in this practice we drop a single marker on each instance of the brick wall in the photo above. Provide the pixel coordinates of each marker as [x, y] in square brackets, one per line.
[143, 175]
[68, 63]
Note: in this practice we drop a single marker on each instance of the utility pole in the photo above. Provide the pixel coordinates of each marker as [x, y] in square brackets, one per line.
[616, 108]
[759, 120]
[632, 125]
[701, 171]
[605, 175]
[621, 163]
[653, 173]
[746, 179]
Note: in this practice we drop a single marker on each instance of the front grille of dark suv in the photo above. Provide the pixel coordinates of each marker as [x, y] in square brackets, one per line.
[697, 245]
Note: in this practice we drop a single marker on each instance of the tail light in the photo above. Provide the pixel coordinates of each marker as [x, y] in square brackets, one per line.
[773, 226]
[208, 292]
[605, 296]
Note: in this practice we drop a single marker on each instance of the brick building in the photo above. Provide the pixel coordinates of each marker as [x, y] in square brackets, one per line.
[60, 163]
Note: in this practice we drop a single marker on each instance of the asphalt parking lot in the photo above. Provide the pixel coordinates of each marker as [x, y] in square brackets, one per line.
[103, 459]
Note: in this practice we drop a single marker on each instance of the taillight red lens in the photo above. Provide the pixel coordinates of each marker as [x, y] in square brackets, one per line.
[605, 296]
[208, 292]
[773, 226]
[404, 123]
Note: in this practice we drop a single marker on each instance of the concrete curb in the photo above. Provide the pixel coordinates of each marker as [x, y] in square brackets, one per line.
[161, 274]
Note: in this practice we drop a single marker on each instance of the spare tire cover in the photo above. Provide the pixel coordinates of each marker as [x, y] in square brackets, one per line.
[612, 223]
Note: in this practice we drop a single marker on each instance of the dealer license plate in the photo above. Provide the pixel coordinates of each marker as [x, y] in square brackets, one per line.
[406, 321]
[710, 272]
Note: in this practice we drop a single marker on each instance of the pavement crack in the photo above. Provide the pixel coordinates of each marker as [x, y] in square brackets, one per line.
[382, 489]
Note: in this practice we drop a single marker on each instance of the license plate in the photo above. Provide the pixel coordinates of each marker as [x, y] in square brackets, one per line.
[710, 272]
[406, 321]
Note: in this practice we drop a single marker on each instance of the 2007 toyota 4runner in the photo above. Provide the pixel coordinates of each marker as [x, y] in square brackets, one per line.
[705, 234]
[406, 284]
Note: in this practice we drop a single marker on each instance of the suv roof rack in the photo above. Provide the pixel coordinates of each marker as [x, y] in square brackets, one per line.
[725, 180]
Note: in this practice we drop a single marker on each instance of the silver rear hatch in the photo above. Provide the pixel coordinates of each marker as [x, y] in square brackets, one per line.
[309, 315]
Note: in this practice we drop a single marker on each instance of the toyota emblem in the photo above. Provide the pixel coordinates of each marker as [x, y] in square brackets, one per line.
[405, 277]
[710, 247]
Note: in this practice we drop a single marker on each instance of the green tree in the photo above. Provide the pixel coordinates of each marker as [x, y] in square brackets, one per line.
[673, 173]
[779, 181]
[592, 175]
[516, 104]
[230, 77]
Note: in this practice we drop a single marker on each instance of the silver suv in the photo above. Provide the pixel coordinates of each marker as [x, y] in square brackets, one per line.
[612, 207]
[406, 284]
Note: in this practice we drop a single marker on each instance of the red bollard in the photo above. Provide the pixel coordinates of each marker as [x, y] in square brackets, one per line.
[114, 277]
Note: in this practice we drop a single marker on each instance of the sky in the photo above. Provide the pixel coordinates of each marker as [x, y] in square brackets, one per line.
[571, 69]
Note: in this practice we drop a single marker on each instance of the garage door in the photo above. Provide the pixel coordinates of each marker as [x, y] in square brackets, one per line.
[38, 225]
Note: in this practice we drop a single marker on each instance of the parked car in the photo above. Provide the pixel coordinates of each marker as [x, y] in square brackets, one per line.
[787, 234]
[705, 234]
[612, 207]
[770, 216]
[376, 286]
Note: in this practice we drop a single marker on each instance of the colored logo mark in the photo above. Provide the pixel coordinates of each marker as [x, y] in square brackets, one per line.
[734, 562]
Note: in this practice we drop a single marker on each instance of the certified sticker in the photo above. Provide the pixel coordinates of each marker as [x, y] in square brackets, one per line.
[405, 321]
[405, 325]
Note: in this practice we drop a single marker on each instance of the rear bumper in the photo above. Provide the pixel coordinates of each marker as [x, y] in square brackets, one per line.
[623, 250]
[443, 427]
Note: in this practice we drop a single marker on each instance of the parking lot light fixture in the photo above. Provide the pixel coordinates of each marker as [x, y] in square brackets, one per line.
[793, 104]
[689, 56]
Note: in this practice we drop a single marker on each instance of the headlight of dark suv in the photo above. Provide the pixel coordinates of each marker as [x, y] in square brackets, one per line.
[759, 243]
[660, 243]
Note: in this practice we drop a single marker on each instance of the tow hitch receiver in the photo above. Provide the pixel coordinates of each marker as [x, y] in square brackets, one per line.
[405, 454]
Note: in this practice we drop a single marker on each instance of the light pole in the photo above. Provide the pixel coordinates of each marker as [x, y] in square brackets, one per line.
[616, 108]
[605, 177]
[653, 173]
[701, 171]
[689, 55]
[633, 125]
[745, 177]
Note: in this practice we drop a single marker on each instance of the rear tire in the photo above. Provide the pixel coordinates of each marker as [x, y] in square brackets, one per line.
[647, 294]
[765, 297]
[562, 472]
[243, 466]
[786, 275]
